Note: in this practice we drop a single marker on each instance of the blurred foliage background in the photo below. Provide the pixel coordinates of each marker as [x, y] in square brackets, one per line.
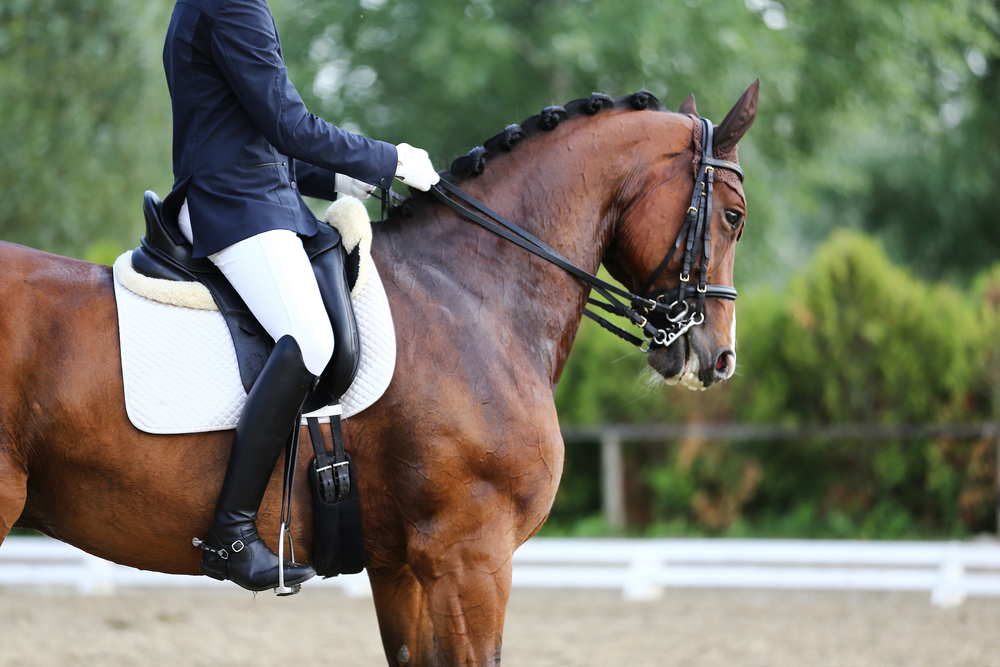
[868, 291]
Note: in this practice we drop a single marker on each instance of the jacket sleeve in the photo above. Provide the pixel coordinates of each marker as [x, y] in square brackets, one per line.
[315, 181]
[246, 48]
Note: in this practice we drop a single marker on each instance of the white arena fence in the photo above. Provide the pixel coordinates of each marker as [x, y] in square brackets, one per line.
[639, 568]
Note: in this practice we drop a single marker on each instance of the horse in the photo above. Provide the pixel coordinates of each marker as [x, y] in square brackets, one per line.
[458, 463]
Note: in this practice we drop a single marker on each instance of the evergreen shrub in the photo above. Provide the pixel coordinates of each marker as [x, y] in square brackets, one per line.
[852, 339]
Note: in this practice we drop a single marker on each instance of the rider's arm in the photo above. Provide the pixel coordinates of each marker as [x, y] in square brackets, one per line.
[245, 47]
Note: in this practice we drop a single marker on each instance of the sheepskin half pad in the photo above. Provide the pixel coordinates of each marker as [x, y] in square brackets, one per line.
[179, 364]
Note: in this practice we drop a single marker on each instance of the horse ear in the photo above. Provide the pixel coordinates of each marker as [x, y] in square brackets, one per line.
[688, 107]
[738, 120]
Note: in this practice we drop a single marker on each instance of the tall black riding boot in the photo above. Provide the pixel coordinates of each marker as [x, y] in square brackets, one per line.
[233, 549]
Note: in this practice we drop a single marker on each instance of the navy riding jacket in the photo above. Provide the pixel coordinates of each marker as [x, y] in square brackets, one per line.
[245, 147]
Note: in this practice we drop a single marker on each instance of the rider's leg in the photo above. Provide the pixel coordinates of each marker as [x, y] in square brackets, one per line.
[273, 275]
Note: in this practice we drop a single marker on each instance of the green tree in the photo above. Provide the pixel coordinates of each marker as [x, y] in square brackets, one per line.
[844, 85]
[858, 339]
[85, 122]
[855, 93]
[935, 202]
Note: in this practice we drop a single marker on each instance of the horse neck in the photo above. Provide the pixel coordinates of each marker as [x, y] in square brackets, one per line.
[557, 186]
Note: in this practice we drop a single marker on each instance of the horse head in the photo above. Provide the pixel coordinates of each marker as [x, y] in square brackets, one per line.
[606, 181]
[651, 243]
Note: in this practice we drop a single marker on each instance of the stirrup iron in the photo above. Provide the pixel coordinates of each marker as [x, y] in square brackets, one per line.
[282, 590]
[291, 456]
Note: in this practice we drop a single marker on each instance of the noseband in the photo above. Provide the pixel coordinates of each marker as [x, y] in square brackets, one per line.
[663, 315]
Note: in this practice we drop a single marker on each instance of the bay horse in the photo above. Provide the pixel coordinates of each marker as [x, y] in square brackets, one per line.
[459, 462]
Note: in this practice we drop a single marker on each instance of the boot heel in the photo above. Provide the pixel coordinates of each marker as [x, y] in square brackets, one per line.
[211, 572]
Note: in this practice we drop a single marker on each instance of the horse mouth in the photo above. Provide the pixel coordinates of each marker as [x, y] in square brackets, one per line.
[678, 364]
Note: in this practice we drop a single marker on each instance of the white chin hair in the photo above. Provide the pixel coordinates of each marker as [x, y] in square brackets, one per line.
[689, 377]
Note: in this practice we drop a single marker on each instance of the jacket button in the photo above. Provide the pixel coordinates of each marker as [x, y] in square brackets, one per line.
[293, 185]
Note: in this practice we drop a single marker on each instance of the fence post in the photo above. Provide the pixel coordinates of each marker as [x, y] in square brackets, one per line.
[612, 480]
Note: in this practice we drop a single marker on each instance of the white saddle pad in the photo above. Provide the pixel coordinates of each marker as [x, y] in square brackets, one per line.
[180, 370]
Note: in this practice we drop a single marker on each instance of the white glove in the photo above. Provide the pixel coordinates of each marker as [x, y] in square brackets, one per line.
[352, 187]
[414, 167]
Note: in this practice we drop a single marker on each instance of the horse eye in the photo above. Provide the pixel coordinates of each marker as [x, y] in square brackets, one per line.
[733, 218]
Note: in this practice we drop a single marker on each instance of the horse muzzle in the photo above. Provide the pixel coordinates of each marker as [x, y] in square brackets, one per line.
[692, 363]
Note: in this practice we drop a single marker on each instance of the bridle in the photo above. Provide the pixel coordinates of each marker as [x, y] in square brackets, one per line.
[696, 230]
[662, 315]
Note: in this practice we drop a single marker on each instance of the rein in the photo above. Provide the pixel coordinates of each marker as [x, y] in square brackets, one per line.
[664, 315]
[520, 237]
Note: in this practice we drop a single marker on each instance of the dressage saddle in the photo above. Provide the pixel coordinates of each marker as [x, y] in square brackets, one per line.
[165, 254]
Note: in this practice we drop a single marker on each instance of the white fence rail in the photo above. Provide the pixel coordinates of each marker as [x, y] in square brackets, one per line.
[40, 561]
[640, 569]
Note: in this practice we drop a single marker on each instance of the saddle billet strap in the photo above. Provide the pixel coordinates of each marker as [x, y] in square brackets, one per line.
[338, 538]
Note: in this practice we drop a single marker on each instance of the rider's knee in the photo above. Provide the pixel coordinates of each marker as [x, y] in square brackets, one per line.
[316, 344]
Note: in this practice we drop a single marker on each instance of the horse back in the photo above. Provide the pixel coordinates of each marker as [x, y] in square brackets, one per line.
[27, 273]
[58, 358]
[54, 308]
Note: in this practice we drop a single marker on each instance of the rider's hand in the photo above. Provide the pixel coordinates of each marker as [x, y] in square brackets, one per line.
[352, 187]
[414, 168]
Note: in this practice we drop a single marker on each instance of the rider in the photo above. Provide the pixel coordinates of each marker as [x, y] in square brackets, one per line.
[245, 148]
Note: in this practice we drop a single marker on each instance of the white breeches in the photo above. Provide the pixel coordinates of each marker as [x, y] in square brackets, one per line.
[272, 273]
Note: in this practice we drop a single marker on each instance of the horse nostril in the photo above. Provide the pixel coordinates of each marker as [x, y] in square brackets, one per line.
[725, 365]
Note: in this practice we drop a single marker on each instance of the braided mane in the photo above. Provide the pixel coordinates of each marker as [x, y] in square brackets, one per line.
[474, 163]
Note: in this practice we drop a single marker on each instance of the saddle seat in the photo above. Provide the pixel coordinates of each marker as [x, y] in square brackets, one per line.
[165, 254]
